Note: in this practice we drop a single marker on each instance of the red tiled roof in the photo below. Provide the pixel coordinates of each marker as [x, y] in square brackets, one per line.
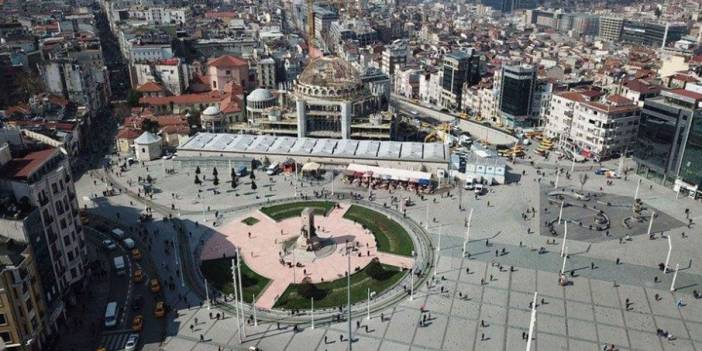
[619, 100]
[187, 99]
[22, 168]
[641, 86]
[687, 93]
[572, 95]
[227, 61]
[685, 78]
[150, 87]
[128, 133]
[176, 130]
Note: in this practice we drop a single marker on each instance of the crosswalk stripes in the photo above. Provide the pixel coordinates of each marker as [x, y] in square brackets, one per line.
[114, 341]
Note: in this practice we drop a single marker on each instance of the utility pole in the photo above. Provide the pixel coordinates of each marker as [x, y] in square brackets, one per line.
[241, 290]
[236, 299]
[565, 236]
[253, 306]
[532, 321]
[348, 291]
[465, 242]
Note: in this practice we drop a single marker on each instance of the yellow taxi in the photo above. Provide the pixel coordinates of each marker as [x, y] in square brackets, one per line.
[160, 309]
[138, 276]
[154, 286]
[138, 323]
[136, 254]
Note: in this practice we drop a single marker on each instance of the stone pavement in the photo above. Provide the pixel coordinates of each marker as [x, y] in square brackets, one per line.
[582, 316]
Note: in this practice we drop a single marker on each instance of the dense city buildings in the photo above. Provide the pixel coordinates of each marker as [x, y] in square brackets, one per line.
[140, 138]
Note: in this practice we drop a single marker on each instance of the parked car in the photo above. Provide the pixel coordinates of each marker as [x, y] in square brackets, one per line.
[109, 244]
[128, 243]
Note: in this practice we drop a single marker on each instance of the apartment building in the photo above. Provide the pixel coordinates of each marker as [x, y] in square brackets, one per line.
[395, 55]
[23, 313]
[40, 178]
[605, 129]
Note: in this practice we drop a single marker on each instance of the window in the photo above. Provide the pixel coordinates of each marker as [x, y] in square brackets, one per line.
[3, 321]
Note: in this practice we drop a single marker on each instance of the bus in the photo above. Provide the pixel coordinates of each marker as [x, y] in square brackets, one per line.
[111, 312]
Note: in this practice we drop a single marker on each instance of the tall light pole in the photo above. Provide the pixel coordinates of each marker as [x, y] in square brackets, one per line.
[565, 236]
[241, 290]
[312, 303]
[560, 213]
[650, 222]
[565, 257]
[236, 299]
[253, 306]
[465, 241]
[667, 257]
[177, 260]
[675, 277]
[532, 321]
[348, 291]
[412, 284]
[636, 193]
[370, 295]
[438, 253]
[572, 165]
[558, 172]
[207, 295]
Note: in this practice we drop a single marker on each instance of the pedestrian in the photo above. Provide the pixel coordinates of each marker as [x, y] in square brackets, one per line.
[592, 265]
[618, 261]
[325, 339]
[191, 327]
[202, 337]
[195, 320]
[341, 337]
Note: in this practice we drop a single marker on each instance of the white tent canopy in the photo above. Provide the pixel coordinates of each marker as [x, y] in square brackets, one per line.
[390, 173]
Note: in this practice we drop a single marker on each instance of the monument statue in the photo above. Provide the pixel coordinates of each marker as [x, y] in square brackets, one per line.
[308, 239]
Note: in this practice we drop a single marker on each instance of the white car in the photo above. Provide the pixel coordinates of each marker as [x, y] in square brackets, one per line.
[131, 342]
[109, 244]
[129, 243]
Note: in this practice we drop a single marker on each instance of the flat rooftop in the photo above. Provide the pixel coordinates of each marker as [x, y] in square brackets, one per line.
[342, 148]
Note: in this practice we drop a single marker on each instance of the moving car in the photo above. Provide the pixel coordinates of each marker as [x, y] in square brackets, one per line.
[131, 342]
[470, 184]
[119, 265]
[111, 312]
[109, 244]
[128, 243]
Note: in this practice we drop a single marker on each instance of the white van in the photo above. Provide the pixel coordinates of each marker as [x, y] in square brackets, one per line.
[273, 169]
[129, 243]
[118, 233]
[478, 189]
[119, 265]
[111, 313]
[470, 184]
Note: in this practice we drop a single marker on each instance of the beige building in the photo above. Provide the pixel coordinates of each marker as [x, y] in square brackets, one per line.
[23, 312]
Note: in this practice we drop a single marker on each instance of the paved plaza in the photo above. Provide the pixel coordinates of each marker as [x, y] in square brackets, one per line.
[479, 302]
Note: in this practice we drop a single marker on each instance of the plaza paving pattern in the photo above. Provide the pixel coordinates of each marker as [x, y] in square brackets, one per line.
[619, 209]
[261, 250]
[582, 316]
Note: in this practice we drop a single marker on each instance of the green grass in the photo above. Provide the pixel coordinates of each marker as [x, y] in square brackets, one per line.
[335, 291]
[250, 221]
[390, 235]
[294, 209]
[218, 274]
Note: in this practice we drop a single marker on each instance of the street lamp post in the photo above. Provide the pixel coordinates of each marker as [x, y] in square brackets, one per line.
[557, 174]
[675, 277]
[236, 300]
[650, 222]
[438, 253]
[532, 321]
[565, 236]
[312, 304]
[667, 257]
[565, 257]
[348, 292]
[370, 295]
[636, 193]
[412, 284]
[253, 306]
[465, 241]
[207, 295]
[560, 213]
[241, 290]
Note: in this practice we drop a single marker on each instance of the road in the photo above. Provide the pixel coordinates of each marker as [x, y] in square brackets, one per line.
[479, 131]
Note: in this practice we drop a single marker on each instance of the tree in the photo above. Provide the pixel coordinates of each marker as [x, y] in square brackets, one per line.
[253, 186]
[150, 126]
[309, 290]
[133, 97]
[583, 177]
[214, 172]
[215, 181]
[376, 270]
[197, 180]
[197, 170]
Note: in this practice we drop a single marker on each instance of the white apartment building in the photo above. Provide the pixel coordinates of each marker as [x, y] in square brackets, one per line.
[160, 15]
[488, 104]
[601, 130]
[558, 116]
[406, 83]
[470, 99]
[395, 55]
[430, 87]
[172, 74]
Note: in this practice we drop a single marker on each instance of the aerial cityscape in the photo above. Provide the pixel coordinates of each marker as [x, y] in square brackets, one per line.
[220, 175]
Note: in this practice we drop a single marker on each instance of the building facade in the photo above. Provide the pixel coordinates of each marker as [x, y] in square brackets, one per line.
[668, 143]
[458, 67]
[517, 87]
